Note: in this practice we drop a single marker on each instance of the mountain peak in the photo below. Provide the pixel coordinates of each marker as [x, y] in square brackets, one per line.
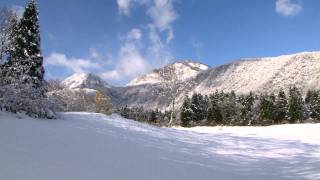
[83, 80]
[183, 69]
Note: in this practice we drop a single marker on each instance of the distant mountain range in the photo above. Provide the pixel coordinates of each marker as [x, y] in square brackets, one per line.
[259, 75]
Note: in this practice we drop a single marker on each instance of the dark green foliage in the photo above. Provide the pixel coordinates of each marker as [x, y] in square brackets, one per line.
[267, 109]
[197, 108]
[186, 113]
[214, 115]
[295, 105]
[246, 110]
[154, 117]
[28, 38]
[222, 108]
[312, 102]
[281, 108]
[25, 60]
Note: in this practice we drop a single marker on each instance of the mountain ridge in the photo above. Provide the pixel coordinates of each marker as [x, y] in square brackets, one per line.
[186, 69]
[259, 75]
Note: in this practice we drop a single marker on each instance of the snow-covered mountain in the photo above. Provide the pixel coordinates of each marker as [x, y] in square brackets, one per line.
[83, 80]
[258, 75]
[78, 87]
[263, 74]
[183, 70]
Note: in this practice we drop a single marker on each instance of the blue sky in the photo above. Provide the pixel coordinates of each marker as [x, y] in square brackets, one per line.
[120, 39]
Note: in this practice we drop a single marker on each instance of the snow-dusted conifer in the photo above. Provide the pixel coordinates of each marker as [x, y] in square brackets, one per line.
[214, 111]
[281, 108]
[267, 109]
[295, 105]
[312, 102]
[186, 112]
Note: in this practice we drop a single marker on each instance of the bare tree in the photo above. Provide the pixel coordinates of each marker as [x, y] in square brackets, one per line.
[53, 85]
[169, 87]
[102, 103]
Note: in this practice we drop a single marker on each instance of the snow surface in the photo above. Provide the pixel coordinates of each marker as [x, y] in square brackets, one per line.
[93, 146]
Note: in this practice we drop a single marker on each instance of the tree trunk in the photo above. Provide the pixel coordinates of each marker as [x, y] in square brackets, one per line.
[172, 112]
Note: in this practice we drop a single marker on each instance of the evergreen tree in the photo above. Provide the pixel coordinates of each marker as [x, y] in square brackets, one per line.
[214, 116]
[28, 62]
[202, 107]
[186, 113]
[153, 116]
[231, 109]
[267, 109]
[295, 105]
[281, 107]
[195, 107]
[312, 102]
[246, 111]
[28, 39]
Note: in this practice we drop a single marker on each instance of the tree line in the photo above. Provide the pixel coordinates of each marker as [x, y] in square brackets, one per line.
[154, 117]
[230, 109]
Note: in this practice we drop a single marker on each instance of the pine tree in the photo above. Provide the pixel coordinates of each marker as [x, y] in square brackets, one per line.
[124, 112]
[28, 39]
[202, 107]
[197, 111]
[267, 109]
[214, 112]
[186, 113]
[246, 111]
[153, 116]
[281, 108]
[27, 51]
[24, 72]
[312, 102]
[295, 105]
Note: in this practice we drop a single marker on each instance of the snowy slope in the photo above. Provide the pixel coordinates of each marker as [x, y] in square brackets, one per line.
[82, 146]
[184, 71]
[263, 74]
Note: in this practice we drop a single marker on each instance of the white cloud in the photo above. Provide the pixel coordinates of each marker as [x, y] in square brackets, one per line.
[72, 64]
[139, 54]
[197, 45]
[125, 6]
[162, 14]
[94, 54]
[134, 34]
[130, 61]
[18, 10]
[288, 7]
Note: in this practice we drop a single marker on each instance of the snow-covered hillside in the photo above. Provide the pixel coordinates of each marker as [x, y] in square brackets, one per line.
[184, 71]
[263, 74]
[86, 146]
